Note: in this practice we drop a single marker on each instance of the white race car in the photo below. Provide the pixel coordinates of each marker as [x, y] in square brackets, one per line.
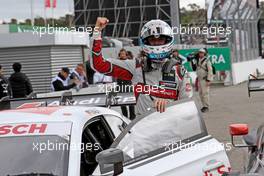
[72, 140]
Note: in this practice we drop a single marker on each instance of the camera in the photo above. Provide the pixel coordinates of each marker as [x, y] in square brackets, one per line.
[192, 56]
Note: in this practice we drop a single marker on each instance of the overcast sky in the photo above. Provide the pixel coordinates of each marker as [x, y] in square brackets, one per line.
[21, 9]
[184, 3]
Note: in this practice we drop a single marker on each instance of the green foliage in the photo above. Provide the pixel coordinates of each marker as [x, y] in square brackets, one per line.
[193, 14]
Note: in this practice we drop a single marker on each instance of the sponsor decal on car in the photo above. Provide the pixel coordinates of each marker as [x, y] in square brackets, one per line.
[92, 112]
[18, 129]
[28, 129]
[215, 168]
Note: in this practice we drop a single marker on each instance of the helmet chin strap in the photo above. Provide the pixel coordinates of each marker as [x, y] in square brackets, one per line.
[153, 64]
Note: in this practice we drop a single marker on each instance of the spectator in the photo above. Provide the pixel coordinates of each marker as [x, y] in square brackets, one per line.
[124, 88]
[130, 55]
[4, 85]
[175, 55]
[61, 81]
[20, 84]
[100, 78]
[142, 60]
[79, 74]
[204, 73]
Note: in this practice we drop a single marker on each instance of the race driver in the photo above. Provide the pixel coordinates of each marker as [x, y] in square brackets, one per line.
[159, 79]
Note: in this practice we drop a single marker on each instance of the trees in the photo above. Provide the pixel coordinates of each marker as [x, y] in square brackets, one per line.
[193, 14]
[13, 21]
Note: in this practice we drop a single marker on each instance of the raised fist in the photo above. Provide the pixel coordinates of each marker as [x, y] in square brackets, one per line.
[101, 23]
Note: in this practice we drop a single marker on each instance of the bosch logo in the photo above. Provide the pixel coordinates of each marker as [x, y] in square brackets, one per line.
[22, 129]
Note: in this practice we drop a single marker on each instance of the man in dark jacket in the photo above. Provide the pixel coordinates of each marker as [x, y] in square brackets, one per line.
[20, 84]
[61, 81]
[4, 85]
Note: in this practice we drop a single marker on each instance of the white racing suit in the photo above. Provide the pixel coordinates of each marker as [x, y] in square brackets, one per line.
[148, 85]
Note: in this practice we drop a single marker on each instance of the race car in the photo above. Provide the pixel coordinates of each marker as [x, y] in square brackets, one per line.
[80, 140]
[254, 142]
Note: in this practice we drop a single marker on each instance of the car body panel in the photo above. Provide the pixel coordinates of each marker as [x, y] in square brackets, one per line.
[186, 162]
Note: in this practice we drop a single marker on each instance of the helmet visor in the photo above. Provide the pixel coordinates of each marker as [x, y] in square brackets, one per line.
[157, 40]
[155, 31]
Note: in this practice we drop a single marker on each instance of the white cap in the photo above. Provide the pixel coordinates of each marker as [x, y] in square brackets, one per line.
[202, 50]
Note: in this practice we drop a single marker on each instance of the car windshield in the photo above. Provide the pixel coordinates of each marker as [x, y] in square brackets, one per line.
[34, 154]
[159, 130]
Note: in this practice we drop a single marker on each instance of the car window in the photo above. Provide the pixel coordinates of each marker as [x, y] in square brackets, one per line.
[116, 124]
[158, 130]
[100, 132]
[96, 137]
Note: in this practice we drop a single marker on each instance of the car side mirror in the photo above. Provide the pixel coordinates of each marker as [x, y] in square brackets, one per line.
[238, 130]
[111, 159]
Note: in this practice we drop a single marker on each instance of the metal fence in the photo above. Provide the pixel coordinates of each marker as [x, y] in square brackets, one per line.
[244, 40]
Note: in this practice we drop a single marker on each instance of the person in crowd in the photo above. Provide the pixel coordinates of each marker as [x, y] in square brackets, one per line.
[4, 84]
[61, 81]
[79, 74]
[126, 86]
[130, 55]
[19, 82]
[203, 67]
[175, 55]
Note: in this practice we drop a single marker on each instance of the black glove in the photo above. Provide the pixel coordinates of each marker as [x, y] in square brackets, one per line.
[167, 67]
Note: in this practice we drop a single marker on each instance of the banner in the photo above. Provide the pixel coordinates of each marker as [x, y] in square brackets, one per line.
[14, 28]
[54, 3]
[49, 3]
[220, 58]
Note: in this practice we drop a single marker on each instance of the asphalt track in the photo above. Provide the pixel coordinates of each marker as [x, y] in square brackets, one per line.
[232, 105]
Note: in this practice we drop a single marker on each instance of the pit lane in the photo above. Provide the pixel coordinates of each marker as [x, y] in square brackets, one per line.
[232, 105]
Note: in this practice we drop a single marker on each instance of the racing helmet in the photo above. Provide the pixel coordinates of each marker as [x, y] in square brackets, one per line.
[156, 29]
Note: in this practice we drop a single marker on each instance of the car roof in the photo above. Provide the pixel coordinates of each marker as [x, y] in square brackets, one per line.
[74, 114]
